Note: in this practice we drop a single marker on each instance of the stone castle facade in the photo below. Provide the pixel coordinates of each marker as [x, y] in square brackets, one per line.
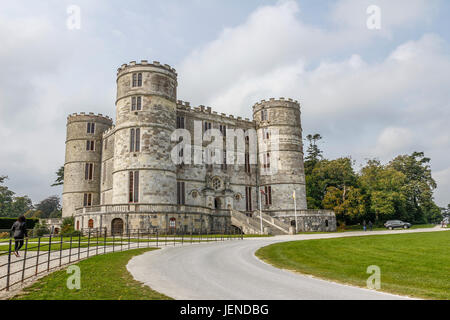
[123, 177]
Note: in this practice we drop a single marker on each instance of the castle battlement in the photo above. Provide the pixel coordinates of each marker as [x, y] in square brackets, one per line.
[90, 116]
[273, 102]
[144, 64]
[201, 109]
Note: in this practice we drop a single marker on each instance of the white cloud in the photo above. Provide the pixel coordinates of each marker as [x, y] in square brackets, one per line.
[395, 105]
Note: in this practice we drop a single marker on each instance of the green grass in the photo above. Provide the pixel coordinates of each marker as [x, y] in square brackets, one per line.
[415, 264]
[103, 277]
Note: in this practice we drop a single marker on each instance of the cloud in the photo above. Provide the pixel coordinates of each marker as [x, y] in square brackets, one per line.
[393, 105]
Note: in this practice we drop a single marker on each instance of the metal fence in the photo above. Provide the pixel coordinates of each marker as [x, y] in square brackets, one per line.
[44, 254]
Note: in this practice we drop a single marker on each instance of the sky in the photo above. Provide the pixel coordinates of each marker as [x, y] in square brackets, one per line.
[371, 93]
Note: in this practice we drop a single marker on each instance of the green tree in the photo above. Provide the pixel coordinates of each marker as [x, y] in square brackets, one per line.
[59, 177]
[48, 206]
[313, 153]
[419, 186]
[6, 198]
[349, 207]
[384, 187]
[21, 205]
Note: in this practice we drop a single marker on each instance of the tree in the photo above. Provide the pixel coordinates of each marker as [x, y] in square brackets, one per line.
[349, 207]
[6, 198]
[337, 173]
[313, 153]
[59, 177]
[21, 205]
[48, 206]
[419, 186]
[384, 187]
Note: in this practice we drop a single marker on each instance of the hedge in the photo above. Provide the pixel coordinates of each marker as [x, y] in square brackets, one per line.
[6, 223]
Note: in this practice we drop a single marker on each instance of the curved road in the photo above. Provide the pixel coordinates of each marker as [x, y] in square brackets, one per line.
[230, 271]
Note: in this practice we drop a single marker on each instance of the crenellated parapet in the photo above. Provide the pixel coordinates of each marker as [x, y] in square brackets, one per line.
[89, 117]
[272, 102]
[205, 110]
[144, 65]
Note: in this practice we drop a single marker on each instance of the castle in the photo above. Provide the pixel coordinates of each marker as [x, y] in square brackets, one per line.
[125, 176]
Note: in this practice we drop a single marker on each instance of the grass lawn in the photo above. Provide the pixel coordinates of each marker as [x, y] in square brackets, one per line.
[103, 277]
[415, 264]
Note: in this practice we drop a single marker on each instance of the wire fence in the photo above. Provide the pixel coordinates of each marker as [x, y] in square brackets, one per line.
[44, 254]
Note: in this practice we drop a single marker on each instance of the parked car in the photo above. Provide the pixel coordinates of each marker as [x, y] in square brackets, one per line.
[392, 224]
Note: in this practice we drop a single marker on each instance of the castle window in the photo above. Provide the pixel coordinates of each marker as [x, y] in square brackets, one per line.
[136, 103]
[264, 115]
[135, 140]
[91, 128]
[247, 163]
[266, 161]
[180, 122]
[248, 199]
[207, 126]
[223, 129]
[172, 223]
[133, 186]
[266, 134]
[90, 145]
[106, 144]
[224, 164]
[137, 80]
[268, 195]
[91, 224]
[104, 173]
[89, 171]
[181, 193]
[87, 201]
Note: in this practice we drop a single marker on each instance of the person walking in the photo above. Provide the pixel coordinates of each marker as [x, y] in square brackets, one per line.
[370, 225]
[364, 225]
[20, 232]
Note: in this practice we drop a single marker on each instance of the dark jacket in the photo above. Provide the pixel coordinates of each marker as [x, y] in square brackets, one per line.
[19, 229]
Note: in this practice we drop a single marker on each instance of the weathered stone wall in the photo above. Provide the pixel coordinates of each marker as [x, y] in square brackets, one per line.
[310, 220]
[156, 121]
[75, 184]
[286, 172]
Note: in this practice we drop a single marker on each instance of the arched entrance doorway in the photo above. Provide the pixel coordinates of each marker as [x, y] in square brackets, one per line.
[117, 227]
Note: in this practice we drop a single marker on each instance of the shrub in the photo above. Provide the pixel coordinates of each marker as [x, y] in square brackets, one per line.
[68, 229]
[40, 230]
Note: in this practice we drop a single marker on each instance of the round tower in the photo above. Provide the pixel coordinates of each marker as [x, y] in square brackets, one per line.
[280, 155]
[83, 160]
[146, 117]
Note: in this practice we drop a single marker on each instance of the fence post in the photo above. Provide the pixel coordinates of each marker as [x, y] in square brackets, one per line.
[148, 239]
[192, 239]
[104, 243]
[157, 238]
[70, 248]
[60, 251]
[96, 248]
[49, 252]
[9, 265]
[174, 237]
[128, 239]
[139, 234]
[79, 244]
[114, 242]
[89, 242]
[165, 243]
[182, 237]
[37, 257]
[24, 259]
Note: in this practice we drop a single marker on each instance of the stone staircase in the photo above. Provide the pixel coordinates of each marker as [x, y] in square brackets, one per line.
[252, 225]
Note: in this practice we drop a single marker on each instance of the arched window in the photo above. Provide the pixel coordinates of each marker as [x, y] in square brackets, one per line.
[117, 227]
[91, 224]
[78, 225]
[326, 223]
[172, 223]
